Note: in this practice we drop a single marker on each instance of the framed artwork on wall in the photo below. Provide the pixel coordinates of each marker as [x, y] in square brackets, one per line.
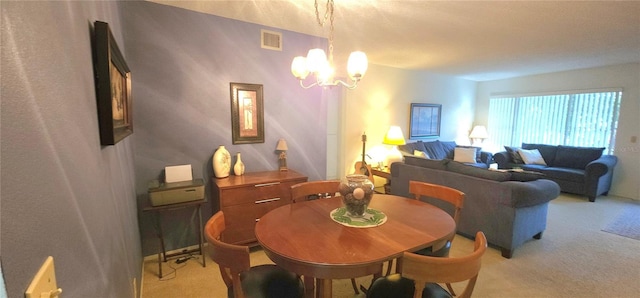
[113, 87]
[424, 120]
[247, 113]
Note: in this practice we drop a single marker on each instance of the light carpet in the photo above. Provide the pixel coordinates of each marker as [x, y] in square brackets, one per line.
[574, 258]
[627, 224]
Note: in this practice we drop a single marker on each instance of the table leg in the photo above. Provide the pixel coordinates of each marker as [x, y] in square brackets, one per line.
[324, 288]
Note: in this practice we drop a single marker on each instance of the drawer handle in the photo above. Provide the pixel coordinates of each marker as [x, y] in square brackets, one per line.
[267, 184]
[190, 190]
[257, 219]
[267, 200]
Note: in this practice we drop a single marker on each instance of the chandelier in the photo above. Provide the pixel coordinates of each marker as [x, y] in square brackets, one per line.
[317, 64]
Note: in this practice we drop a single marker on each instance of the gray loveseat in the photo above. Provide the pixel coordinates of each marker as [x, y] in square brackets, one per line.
[510, 208]
[578, 170]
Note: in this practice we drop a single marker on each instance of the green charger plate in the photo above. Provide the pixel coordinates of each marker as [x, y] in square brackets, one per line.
[371, 218]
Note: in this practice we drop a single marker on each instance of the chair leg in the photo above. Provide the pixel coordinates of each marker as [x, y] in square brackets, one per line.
[451, 289]
[355, 286]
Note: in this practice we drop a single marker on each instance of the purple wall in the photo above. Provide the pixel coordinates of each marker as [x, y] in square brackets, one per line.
[182, 63]
[63, 195]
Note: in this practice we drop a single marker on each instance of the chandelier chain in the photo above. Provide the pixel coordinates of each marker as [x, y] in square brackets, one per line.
[328, 14]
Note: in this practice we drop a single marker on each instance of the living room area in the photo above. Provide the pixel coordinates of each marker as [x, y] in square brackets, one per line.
[89, 198]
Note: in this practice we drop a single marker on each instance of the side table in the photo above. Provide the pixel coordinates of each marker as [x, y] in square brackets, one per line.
[384, 173]
[158, 210]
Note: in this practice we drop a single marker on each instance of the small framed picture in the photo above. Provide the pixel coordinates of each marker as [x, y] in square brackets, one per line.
[424, 120]
[247, 113]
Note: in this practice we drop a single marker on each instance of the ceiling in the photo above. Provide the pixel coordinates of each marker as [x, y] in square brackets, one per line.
[475, 40]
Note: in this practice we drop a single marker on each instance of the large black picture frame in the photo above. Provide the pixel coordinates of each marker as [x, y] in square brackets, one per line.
[424, 120]
[113, 87]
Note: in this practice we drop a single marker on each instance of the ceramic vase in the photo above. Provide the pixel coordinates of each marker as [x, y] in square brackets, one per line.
[221, 162]
[356, 191]
[238, 168]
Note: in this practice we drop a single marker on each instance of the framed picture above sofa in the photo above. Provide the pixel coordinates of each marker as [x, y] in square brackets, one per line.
[424, 120]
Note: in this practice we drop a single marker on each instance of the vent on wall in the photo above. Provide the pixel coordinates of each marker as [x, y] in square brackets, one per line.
[271, 40]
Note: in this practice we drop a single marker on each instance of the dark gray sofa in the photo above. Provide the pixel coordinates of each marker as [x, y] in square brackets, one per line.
[578, 170]
[510, 208]
[445, 150]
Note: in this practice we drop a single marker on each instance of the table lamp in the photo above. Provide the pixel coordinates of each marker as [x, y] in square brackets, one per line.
[394, 137]
[478, 134]
[282, 158]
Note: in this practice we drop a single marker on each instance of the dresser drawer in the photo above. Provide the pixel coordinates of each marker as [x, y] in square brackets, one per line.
[241, 219]
[262, 192]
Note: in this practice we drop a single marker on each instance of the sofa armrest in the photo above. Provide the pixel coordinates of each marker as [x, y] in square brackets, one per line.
[486, 157]
[503, 159]
[601, 166]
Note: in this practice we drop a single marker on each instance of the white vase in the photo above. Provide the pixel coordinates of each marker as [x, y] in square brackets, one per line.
[238, 168]
[221, 162]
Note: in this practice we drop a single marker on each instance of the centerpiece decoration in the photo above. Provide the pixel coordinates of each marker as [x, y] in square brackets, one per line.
[356, 191]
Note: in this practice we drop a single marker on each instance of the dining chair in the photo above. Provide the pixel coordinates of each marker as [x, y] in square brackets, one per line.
[241, 279]
[313, 190]
[444, 194]
[420, 275]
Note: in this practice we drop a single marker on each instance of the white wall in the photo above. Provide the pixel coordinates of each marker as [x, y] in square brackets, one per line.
[383, 99]
[627, 76]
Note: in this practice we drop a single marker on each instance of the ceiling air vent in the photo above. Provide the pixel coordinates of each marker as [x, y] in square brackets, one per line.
[271, 40]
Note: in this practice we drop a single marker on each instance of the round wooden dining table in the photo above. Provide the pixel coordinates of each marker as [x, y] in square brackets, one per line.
[303, 238]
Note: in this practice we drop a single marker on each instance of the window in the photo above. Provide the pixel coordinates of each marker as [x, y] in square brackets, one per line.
[588, 119]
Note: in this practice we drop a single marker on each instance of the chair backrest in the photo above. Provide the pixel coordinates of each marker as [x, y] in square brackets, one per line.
[423, 269]
[232, 259]
[324, 188]
[440, 192]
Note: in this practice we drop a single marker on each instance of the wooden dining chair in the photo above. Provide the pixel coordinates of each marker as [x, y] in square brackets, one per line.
[444, 194]
[313, 190]
[241, 279]
[420, 275]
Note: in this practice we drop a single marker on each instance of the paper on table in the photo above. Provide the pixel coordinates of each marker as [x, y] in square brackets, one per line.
[178, 173]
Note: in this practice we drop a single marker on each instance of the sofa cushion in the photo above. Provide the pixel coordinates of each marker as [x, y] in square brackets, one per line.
[426, 163]
[465, 155]
[408, 148]
[513, 153]
[449, 147]
[531, 157]
[435, 150]
[566, 174]
[548, 152]
[460, 168]
[526, 176]
[576, 157]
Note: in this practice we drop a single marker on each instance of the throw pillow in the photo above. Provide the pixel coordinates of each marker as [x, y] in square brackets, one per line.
[464, 155]
[420, 153]
[513, 152]
[478, 151]
[531, 157]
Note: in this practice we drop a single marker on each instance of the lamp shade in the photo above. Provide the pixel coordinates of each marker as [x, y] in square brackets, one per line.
[299, 68]
[394, 136]
[282, 145]
[479, 132]
[357, 65]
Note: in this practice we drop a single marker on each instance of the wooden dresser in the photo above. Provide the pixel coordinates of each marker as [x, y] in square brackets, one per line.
[244, 199]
